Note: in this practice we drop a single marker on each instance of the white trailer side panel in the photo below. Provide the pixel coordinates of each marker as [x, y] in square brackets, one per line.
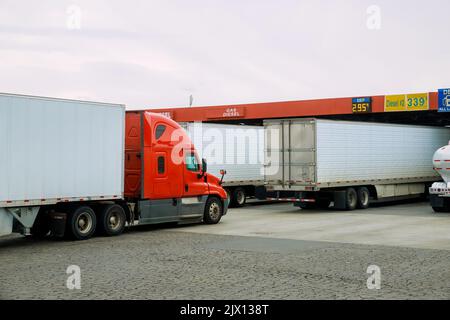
[326, 153]
[356, 151]
[235, 148]
[59, 149]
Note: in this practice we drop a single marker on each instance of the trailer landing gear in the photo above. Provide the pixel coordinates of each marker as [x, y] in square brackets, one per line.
[41, 226]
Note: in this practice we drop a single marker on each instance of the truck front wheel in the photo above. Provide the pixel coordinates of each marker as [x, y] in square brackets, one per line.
[81, 223]
[213, 211]
[111, 220]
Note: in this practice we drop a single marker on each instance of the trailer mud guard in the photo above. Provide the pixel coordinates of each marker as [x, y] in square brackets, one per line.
[438, 202]
[340, 199]
[261, 193]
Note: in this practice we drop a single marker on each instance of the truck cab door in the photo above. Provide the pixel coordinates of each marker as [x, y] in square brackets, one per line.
[194, 183]
[195, 188]
[162, 187]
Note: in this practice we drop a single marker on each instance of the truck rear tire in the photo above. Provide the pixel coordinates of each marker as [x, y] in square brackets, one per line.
[213, 211]
[81, 223]
[351, 199]
[363, 198]
[111, 220]
[238, 198]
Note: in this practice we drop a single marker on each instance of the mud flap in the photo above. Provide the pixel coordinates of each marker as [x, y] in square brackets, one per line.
[437, 202]
[340, 201]
[261, 193]
[57, 223]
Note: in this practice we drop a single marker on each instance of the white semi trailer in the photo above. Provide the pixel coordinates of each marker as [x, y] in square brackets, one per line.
[237, 149]
[318, 162]
[57, 151]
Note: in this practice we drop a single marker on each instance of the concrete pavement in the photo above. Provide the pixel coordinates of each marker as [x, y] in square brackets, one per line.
[412, 225]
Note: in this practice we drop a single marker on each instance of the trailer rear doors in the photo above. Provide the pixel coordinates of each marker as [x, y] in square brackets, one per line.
[290, 153]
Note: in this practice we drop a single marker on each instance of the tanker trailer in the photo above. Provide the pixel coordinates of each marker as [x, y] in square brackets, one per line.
[440, 191]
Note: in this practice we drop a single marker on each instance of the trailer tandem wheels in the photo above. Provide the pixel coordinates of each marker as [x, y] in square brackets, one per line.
[73, 167]
[317, 162]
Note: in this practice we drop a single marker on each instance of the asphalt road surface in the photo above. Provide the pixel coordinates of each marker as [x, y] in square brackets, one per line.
[271, 251]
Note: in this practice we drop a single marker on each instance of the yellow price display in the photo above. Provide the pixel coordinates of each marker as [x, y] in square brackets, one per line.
[395, 103]
[418, 101]
[406, 102]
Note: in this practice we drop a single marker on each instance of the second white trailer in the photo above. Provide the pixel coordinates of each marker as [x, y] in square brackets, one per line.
[316, 162]
[237, 149]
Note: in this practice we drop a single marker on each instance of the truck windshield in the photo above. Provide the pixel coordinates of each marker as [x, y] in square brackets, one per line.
[191, 162]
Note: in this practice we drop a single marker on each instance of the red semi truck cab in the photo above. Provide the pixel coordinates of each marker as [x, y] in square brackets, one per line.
[164, 177]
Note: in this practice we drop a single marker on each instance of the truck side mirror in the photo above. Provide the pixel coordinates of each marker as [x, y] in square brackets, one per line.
[204, 166]
[203, 170]
[223, 173]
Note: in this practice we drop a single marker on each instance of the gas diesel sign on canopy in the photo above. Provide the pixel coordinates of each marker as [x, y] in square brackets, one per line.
[444, 100]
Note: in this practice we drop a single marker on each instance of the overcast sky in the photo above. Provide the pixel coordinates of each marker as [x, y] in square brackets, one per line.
[150, 54]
